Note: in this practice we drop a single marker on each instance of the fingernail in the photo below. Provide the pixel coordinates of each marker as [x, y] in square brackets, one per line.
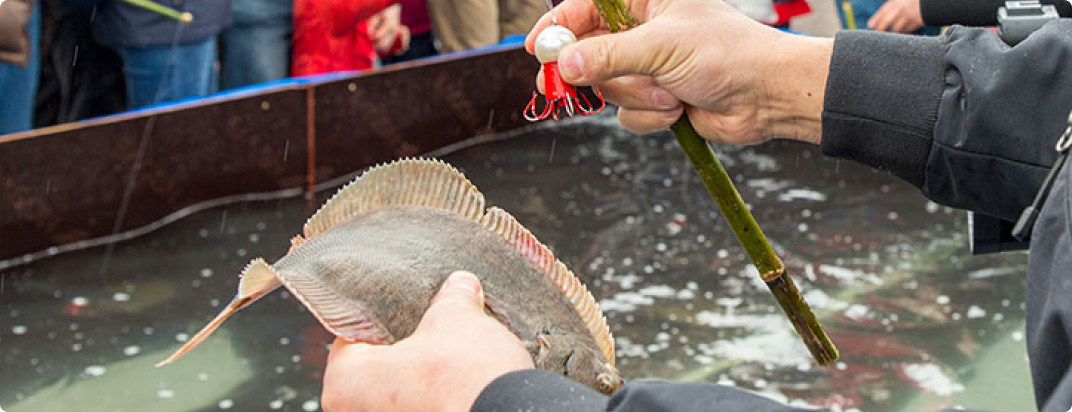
[663, 98]
[571, 65]
[465, 281]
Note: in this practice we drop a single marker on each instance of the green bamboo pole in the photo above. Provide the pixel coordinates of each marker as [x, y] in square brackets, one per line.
[744, 225]
[183, 17]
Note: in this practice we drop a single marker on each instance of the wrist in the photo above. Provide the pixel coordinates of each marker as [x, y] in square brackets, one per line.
[793, 88]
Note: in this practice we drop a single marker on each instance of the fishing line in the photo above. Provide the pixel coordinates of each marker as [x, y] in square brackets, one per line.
[143, 144]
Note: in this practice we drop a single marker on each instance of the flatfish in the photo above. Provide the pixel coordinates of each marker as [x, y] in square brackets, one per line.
[371, 259]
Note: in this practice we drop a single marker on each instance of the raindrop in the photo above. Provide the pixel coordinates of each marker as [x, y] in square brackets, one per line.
[942, 300]
[79, 301]
[18, 329]
[276, 404]
[310, 405]
[182, 337]
[803, 227]
[131, 350]
[206, 273]
[165, 394]
[203, 377]
[121, 297]
[225, 404]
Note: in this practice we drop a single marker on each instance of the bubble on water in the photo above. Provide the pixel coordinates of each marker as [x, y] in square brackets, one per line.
[182, 337]
[19, 329]
[225, 404]
[206, 273]
[131, 350]
[310, 405]
[121, 297]
[942, 299]
[164, 393]
[96, 370]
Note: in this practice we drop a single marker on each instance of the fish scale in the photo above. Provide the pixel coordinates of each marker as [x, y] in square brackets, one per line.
[373, 257]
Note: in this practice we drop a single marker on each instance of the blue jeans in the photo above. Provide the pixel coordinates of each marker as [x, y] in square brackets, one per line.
[256, 48]
[161, 73]
[18, 85]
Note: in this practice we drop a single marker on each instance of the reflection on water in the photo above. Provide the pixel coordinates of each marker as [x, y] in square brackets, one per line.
[919, 322]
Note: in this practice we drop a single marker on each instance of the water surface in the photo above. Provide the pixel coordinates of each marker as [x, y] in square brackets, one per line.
[920, 323]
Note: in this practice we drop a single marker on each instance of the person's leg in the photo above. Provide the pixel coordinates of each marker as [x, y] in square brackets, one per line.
[162, 73]
[518, 16]
[18, 85]
[251, 54]
[464, 24]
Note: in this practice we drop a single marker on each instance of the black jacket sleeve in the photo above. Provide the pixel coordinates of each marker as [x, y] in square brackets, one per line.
[542, 391]
[974, 12]
[964, 117]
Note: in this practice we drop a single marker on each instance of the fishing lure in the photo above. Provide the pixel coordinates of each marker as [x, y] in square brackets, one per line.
[559, 96]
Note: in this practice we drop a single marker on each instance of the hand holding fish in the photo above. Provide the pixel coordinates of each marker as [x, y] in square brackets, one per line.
[739, 81]
[455, 352]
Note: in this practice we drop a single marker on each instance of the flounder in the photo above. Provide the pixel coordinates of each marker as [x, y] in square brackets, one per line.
[375, 254]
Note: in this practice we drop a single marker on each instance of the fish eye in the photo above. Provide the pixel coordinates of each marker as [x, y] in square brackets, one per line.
[607, 384]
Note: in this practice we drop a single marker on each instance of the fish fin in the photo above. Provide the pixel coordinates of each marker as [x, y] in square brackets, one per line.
[342, 317]
[295, 241]
[258, 279]
[406, 182]
[501, 222]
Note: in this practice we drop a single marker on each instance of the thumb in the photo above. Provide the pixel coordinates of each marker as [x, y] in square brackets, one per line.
[599, 58]
[460, 295]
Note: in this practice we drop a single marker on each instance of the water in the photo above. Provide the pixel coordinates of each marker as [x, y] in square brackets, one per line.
[920, 323]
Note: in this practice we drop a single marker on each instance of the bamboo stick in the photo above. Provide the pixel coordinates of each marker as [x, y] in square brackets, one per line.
[183, 17]
[718, 184]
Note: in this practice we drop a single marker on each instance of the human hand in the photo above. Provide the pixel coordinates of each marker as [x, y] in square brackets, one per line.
[739, 81]
[898, 16]
[385, 27]
[456, 351]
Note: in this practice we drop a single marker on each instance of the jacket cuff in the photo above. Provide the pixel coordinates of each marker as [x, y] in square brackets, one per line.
[881, 102]
[536, 390]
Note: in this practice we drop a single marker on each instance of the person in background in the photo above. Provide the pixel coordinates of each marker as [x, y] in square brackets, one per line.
[20, 27]
[336, 35]
[970, 121]
[467, 24]
[421, 41]
[897, 16]
[256, 47]
[163, 59]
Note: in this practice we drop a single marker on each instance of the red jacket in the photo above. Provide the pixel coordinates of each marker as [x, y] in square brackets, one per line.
[332, 35]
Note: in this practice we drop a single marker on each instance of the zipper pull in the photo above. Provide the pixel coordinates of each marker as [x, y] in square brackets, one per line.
[1022, 230]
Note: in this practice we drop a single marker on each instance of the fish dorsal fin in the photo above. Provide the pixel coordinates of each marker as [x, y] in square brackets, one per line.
[501, 222]
[406, 182]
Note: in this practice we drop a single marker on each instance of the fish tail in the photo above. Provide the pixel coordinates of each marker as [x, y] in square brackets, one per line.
[258, 279]
[235, 306]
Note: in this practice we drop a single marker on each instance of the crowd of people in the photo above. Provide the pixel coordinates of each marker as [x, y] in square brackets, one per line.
[64, 60]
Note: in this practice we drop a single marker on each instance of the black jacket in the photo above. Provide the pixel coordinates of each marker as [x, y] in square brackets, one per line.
[969, 121]
[118, 24]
